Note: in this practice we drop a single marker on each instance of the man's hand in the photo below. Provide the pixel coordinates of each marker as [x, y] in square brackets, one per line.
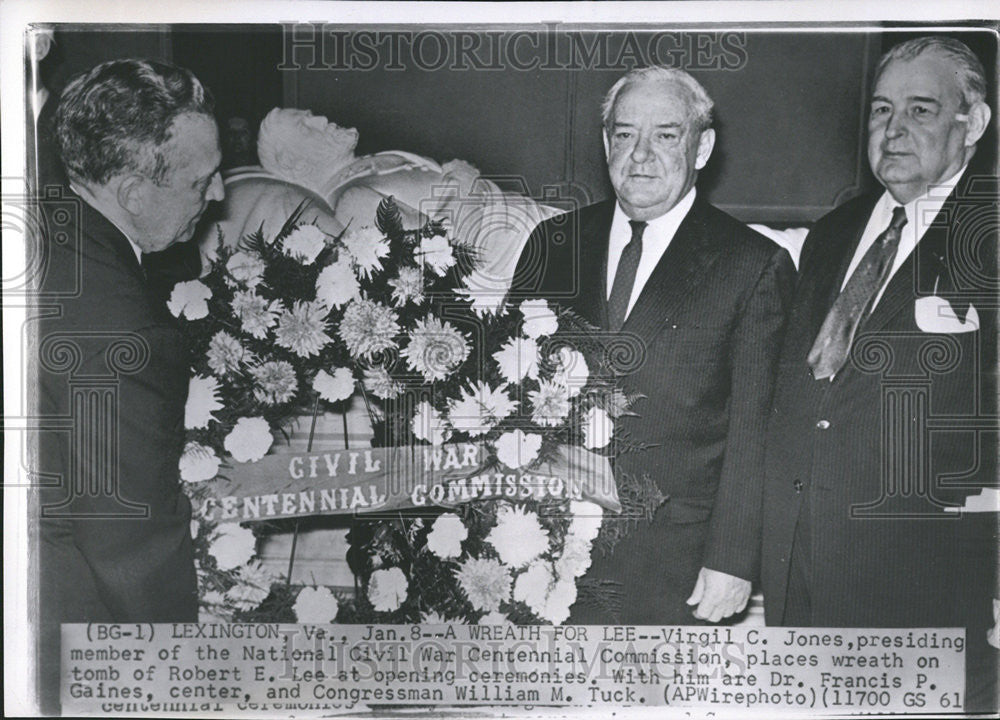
[718, 595]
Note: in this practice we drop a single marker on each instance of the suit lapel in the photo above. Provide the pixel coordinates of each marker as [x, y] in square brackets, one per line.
[595, 229]
[687, 258]
[101, 230]
[828, 265]
[925, 269]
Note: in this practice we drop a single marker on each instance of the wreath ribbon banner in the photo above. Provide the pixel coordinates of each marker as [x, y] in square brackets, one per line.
[387, 479]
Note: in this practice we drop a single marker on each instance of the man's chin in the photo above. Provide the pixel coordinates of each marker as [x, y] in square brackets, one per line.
[896, 171]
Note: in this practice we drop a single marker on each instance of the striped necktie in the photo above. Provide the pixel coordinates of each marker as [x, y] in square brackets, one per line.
[833, 344]
[621, 289]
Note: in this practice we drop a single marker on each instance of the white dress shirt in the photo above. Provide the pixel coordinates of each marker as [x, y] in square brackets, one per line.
[920, 213]
[655, 239]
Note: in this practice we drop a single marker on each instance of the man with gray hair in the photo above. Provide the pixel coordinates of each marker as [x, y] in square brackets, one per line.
[884, 421]
[700, 299]
[140, 148]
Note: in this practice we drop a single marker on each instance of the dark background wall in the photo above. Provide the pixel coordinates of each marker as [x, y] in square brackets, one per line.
[791, 107]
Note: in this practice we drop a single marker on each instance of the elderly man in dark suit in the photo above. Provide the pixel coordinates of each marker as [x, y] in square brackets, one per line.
[140, 147]
[885, 408]
[703, 298]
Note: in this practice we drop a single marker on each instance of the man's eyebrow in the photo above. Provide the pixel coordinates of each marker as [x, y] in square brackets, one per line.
[911, 98]
[659, 125]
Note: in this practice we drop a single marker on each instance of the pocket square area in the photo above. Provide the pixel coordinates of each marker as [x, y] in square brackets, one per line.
[934, 314]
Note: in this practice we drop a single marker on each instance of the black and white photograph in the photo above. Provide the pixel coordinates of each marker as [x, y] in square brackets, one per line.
[485, 360]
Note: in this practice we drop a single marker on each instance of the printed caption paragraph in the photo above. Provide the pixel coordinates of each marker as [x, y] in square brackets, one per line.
[198, 669]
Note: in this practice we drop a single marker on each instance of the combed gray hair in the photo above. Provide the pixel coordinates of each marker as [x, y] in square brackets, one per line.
[117, 117]
[971, 76]
[698, 102]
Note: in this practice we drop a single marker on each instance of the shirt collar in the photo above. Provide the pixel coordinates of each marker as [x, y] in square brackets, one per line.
[665, 224]
[921, 211]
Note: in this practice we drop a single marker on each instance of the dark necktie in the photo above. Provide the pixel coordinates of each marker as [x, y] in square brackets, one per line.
[833, 344]
[621, 289]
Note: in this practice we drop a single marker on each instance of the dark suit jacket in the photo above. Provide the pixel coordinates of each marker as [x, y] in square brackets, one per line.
[703, 336]
[908, 426]
[115, 542]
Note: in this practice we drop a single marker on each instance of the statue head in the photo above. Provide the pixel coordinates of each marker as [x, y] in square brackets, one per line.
[303, 148]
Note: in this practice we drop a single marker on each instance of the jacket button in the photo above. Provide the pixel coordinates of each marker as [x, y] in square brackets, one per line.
[797, 485]
[823, 424]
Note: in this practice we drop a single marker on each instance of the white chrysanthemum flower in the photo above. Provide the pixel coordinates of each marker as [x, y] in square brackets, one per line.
[550, 403]
[381, 384]
[571, 370]
[225, 353]
[561, 596]
[598, 427]
[532, 586]
[337, 284]
[199, 462]
[304, 243]
[446, 536]
[366, 246]
[387, 589]
[518, 536]
[232, 546]
[436, 252]
[407, 286]
[368, 327]
[435, 618]
[243, 596]
[516, 449]
[485, 293]
[336, 387]
[249, 440]
[213, 597]
[479, 409]
[202, 401]
[485, 582]
[316, 605]
[190, 299]
[435, 349]
[255, 313]
[245, 268]
[586, 522]
[494, 618]
[575, 558]
[539, 320]
[548, 597]
[518, 359]
[194, 527]
[302, 329]
[276, 382]
[429, 425]
[252, 587]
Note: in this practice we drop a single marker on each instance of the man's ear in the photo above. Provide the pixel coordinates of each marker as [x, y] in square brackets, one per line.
[604, 137]
[705, 144]
[978, 120]
[131, 194]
